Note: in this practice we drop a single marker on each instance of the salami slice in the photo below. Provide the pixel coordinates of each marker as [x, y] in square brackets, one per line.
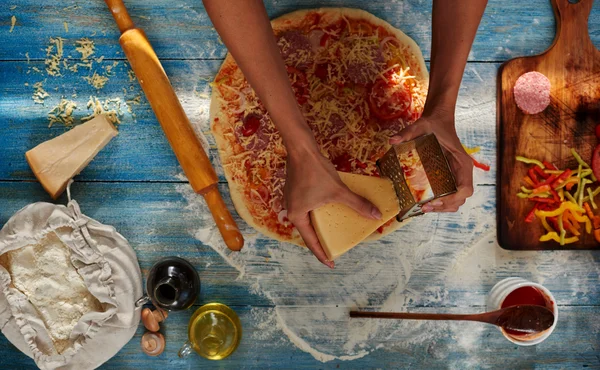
[532, 92]
[294, 45]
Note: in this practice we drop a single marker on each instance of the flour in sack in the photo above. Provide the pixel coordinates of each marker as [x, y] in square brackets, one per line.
[59, 295]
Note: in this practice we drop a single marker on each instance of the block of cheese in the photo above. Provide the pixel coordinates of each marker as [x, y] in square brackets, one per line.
[340, 228]
[57, 161]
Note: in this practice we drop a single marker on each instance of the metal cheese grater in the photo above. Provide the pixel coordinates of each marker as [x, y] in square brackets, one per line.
[436, 168]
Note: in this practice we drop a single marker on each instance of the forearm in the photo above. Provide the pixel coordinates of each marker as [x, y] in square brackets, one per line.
[246, 31]
[454, 25]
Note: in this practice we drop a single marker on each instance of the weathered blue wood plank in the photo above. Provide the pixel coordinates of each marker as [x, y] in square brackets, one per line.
[181, 29]
[141, 152]
[439, 260]
[459, 346]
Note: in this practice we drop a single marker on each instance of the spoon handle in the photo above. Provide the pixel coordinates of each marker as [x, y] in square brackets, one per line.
[412, 316]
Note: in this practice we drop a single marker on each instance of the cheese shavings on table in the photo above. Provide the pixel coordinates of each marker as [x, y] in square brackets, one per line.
[340, 228]
[57, 161]
[13, 22]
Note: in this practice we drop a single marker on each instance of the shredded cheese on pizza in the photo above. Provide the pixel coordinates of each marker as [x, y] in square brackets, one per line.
[356, 85]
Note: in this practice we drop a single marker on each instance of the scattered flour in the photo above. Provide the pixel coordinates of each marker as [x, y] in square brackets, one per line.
[414, 269]
[312, 303]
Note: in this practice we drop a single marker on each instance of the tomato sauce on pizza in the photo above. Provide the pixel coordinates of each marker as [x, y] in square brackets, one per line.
[357, 80]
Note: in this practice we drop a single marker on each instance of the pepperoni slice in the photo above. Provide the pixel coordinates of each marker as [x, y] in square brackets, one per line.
[342, 163]
[251, 125]
[388, 100]
[321, 71]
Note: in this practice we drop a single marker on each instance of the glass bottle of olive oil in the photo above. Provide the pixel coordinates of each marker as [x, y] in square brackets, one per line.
[214, 332]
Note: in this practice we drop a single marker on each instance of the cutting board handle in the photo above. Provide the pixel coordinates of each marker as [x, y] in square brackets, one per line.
[572, 24]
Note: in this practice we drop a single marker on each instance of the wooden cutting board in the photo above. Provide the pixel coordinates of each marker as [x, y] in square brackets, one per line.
[572, 64]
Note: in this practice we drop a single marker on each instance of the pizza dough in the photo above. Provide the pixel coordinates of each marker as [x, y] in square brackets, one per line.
[377, 67]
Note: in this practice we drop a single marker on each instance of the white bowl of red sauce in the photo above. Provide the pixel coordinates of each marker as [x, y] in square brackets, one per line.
[516, 291]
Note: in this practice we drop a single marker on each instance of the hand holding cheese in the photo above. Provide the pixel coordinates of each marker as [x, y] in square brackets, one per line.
[340, 228]
[57, 161]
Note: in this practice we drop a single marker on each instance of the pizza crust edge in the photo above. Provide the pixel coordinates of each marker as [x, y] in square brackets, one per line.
[289, 19]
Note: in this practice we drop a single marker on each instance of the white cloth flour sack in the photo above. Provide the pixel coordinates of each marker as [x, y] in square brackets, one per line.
[68, 286]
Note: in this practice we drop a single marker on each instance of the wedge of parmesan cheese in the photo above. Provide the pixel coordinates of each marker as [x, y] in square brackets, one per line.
[340, 228]
[57, 161]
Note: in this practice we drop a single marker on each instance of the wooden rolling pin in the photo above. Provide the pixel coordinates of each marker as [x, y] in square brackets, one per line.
[175, 124]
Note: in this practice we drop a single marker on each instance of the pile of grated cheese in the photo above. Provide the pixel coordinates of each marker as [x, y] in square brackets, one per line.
[96, 80]
[54, 54]
[39, 94]
[111, 108]
[56, 63]
[62, 113]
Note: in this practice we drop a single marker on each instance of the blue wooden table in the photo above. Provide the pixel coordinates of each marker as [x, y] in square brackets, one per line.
[294, 311]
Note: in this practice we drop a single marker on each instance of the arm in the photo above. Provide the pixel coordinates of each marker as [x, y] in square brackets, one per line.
[311, 179]
[454, 26]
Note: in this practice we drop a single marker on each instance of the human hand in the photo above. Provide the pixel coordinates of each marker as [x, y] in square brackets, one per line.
[312, 181]
[460, 162]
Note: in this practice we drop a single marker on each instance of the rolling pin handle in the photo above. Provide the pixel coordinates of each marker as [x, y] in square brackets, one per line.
[227, 226]
[120, 14]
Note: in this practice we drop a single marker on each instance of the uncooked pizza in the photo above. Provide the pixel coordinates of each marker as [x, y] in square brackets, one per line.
[357, 80]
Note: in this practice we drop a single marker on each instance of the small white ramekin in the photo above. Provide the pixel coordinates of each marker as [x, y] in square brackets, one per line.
[502, 289]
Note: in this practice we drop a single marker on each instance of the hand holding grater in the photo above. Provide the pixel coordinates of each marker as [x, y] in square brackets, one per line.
[420, 173]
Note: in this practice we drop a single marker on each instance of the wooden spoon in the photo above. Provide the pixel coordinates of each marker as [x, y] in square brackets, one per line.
[528, 319]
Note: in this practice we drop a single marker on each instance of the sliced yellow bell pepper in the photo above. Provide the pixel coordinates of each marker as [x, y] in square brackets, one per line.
[564, 205]
[531, 161]
[578, 158]
[554, 236]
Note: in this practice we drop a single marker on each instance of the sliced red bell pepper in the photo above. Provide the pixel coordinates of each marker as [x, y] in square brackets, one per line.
[529, 181]
[548, 206]
[597, 235]
[548, 181]
[561, 178]
[480, 165]
[541, 172]
[570, 185]
[531, 215]
[588, 210]
[569, 226]
[541, 189]
[554, 195]
[572, 220]
[595, 219]
[533, 176]
[549, 166]
[542, 200]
